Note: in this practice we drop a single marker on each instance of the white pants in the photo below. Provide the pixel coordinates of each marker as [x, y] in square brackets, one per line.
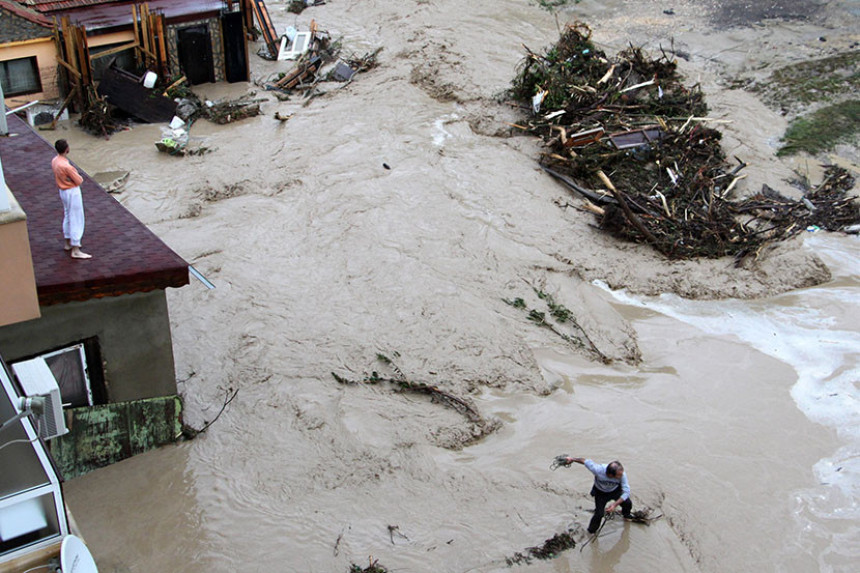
[73, 215]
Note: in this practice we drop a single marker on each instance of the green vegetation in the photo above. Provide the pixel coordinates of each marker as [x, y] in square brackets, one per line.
[374, 567]
[802, 89]
[796, 86]
[823, 129]
[563, 317]
[550, 549]
[551, 5]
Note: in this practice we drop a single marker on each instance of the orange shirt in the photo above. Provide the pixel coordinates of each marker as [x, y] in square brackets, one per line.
[65, 175]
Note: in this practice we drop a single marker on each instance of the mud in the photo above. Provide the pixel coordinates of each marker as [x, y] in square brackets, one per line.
[323, 258]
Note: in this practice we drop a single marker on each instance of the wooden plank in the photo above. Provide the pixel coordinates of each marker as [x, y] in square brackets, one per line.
[248, 12]
[162, 45]
[148, 53]
[83, 55]
[269, 34]
[144, 32]
[68, 40]
[72, 61]
[116, 50]
[299, 73]
[63, 107]
[137, 53]
[69, 67]
[173, 85]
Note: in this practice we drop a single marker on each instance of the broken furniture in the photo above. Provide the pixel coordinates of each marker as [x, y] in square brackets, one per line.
[126, 91]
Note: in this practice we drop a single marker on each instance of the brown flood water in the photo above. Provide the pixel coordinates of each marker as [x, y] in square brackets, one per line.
[322, 258]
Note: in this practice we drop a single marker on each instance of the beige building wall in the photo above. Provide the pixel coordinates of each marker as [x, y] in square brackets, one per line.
[46, 59]
[18, 298]
[112, 38]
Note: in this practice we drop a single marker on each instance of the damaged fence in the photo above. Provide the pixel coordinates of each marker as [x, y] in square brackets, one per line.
[628, 136]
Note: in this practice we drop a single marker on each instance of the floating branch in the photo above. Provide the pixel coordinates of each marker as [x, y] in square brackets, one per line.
[549, 550]
[561, 315]
[373, 567]
[190, 433]
[461, 405]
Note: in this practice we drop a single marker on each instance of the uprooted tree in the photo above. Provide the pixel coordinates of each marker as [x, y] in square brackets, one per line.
[627, 135]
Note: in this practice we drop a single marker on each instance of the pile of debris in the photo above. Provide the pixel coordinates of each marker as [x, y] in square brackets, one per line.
[97, 118]
[550, 549]
[175, 140]
[231, 110]
[312, 50]
[626, 134]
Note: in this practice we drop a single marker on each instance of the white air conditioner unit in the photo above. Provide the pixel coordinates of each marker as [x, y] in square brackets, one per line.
[37, 380]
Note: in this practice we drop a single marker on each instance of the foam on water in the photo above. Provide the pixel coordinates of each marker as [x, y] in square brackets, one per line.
[817, 332]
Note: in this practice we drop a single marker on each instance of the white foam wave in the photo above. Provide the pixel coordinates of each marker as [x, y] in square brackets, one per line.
[815, 331]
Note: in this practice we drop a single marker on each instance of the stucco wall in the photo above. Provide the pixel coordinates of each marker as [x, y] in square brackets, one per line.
[46, 60]
[112, 38]
[133, 332]
[17, 280]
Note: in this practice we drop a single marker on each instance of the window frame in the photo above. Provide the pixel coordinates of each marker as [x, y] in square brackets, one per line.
[36, 84]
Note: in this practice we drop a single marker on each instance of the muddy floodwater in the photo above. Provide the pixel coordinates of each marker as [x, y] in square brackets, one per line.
[395, 216]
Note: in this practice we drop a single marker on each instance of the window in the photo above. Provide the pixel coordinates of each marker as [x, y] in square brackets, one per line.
[123, 60]
[69, 367]
[20, 76]
[78, 371]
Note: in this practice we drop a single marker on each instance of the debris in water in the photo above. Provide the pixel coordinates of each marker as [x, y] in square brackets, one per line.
[660, 175]
[549, 550]
[480, 427]
[374, 567]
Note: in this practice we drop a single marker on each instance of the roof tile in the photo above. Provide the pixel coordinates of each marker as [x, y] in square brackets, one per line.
[18, 23]
[127, 256]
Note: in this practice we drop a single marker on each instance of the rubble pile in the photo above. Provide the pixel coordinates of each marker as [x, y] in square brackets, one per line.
[626, 134]
[97, 117]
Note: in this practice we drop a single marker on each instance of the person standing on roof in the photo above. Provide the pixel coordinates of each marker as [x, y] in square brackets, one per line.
[69, 183]
[610, 483]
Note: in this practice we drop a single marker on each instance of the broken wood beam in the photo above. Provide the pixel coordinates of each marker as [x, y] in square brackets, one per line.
[162, 45]
[592, 196]
[144, 31]
[116, 50]
[173, 85]
[270, 37]
[68, 67]
[299, 73]
[136, 29]
[631, 217]
[63, 107]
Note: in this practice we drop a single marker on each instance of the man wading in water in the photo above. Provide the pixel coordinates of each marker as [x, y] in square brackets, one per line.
[610, 483]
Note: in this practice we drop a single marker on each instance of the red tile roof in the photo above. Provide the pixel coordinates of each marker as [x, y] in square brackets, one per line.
[18, 23]
[127, 256]
[25, 12]
[54, 5]
[117, 13]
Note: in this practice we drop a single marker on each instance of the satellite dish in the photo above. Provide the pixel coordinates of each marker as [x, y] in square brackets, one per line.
[75, 557]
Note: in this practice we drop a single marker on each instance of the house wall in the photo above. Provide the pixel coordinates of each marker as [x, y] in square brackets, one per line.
[134, 338]
[17, 280]
[94, 41]
[46, 60]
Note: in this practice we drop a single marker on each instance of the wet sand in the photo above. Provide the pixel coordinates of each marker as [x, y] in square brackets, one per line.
[322, 259]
